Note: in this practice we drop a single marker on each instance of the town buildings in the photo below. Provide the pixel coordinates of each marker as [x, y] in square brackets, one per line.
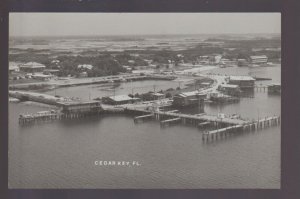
[32, 67]
[242, 81]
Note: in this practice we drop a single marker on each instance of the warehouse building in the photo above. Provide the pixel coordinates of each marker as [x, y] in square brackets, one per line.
[120, 99]
[229, 89]
[242, 81]
[189, 99]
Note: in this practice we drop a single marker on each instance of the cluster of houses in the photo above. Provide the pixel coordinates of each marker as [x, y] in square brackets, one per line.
[216, 59]
[30, 70]
[34, 70]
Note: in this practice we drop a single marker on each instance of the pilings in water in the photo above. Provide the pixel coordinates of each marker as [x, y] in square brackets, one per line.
[141, 118]
[168, 122]
[261, 88]
[46, 116]
[39, 117]
[203, 124]
[251, 126]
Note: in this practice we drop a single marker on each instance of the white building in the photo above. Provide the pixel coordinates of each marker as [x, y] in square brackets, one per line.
[85, 66]
[14, 67]
[262, 59]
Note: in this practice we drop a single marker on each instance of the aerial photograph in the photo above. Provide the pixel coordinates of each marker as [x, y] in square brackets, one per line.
[144, 101]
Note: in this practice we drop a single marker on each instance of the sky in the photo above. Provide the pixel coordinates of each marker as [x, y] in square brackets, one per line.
[73, 24]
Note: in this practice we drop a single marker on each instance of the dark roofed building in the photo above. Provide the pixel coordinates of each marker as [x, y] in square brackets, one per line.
[120, 99]
[242, 81]
[189, 99]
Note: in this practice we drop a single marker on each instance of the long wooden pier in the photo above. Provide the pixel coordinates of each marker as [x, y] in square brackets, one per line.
[251, 126]
[40, 116]
[165, 123]
[143, 117]
[222, 126]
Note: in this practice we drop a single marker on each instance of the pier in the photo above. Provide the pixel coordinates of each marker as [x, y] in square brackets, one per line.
[251, 126]
[221, 125]
[203, 124]
[168, 122]
[142, 118]
[42, 116]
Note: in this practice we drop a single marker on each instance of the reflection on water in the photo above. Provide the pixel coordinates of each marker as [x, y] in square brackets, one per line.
[61, 154]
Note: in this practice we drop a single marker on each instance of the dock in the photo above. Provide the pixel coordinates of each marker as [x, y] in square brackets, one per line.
[196, 119]
[251, 126]
[142, 118]
[42, 116]
[168, 122]
[203, 124]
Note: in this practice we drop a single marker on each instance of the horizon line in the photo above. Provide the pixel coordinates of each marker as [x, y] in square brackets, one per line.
[154, 34]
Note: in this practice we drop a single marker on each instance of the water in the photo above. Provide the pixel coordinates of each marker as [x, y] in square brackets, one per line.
[62, 154]
[87, 92]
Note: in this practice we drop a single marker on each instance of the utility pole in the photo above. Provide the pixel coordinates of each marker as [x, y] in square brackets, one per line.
[131, 88]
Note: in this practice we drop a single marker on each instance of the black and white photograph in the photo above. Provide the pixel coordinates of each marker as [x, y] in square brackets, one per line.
[144, 100]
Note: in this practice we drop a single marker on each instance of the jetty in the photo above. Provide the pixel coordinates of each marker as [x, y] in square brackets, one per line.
[251, 126]
[143, 118]
[169, 121]
[41, 116]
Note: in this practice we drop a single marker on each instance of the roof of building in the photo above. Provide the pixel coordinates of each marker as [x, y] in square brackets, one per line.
[157, 94]
[32, 65]
[242, 78]
[275, 84]
[87, 66]
[51, 70]
[76, 103]
[229, 86]
[259, 57]
[188, 94]
[13, 67]
[41, 75]
[119, 98]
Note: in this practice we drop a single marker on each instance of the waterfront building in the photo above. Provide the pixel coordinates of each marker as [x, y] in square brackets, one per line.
[242, 81]
[80, 107]
[274, 88]
[189, 99]
[261, 59]
[222, 98]
[120, 99]
[32, 67]
[229, 89]
[157, 96]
